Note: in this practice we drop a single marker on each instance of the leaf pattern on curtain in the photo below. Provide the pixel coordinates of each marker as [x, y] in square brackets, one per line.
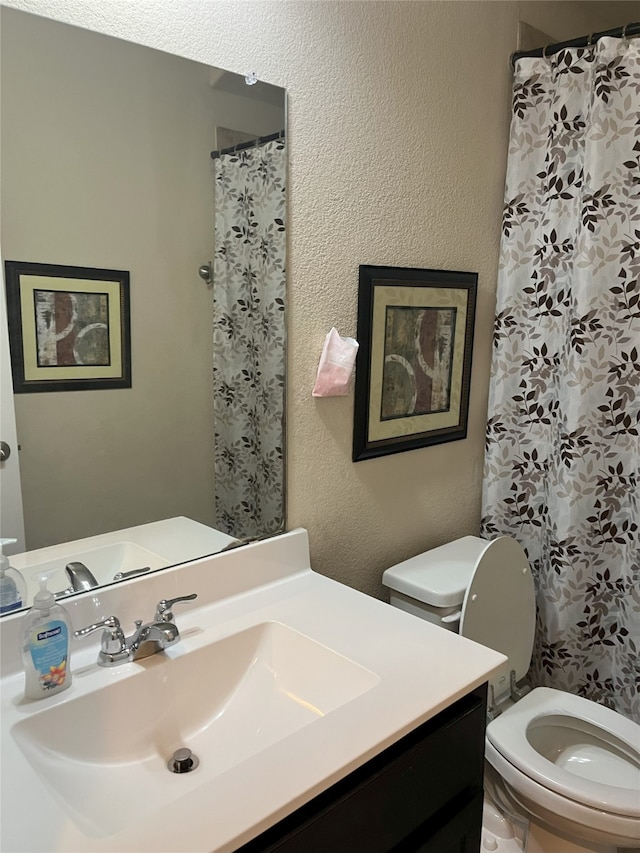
[562, 463]
[249, 339]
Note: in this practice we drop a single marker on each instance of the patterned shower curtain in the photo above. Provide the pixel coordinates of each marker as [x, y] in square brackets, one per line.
[562, 466]
[249, 339]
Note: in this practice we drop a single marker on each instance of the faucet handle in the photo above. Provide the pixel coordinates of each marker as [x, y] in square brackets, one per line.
[163, 608]
[113, 640]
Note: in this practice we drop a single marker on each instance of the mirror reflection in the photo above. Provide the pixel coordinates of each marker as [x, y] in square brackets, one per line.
[116, 157]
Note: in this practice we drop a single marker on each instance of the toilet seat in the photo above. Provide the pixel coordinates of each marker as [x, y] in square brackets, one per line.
[561, 813]
[507, 734]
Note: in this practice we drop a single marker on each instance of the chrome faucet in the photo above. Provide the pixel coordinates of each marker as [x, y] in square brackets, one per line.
[81, 579]
[146, 640]
[80, 576]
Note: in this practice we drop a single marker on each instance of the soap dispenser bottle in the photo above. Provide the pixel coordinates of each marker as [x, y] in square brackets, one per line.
[13, 589]
[45, 652]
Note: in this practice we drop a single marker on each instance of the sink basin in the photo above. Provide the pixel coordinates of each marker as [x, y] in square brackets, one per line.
[104, 754]
[103, 563]
[157, 544]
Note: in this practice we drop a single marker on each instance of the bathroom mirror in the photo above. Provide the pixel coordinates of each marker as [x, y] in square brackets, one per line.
[106, 165]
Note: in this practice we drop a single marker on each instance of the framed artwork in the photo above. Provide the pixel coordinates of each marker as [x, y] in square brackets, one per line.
[69, 327]
[413, 369]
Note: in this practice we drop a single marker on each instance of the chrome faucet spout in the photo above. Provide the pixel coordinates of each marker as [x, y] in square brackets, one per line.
[153, 638]
[80, 576]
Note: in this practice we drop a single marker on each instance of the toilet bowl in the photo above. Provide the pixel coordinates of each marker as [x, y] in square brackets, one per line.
[564, 767]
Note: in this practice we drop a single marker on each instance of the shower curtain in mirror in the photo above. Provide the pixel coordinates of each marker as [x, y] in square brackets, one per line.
[249, 339]
[562, 459]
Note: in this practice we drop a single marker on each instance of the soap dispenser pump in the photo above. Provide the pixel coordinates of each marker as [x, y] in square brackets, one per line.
[13, 589]
[45, 651]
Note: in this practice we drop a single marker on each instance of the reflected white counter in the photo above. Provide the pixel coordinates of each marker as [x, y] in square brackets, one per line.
[152, 546]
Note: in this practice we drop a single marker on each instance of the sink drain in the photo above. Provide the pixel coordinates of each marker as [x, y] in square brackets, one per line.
[182, 761]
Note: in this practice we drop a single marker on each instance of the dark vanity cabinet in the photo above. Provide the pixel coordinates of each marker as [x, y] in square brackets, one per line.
[421, 795]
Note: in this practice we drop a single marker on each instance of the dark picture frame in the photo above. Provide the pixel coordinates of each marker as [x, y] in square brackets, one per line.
[69, 327]
[413, 368]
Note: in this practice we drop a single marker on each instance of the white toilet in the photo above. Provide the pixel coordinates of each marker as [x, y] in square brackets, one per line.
[563, 773]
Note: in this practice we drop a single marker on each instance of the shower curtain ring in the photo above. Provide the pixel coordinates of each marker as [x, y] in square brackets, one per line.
[624, 34]
[544, 53]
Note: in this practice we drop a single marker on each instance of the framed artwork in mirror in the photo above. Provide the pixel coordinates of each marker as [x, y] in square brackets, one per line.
[69, 327]
[413, 369]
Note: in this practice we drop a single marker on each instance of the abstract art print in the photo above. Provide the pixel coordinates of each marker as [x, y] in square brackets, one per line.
[415, 329]
[69, 327]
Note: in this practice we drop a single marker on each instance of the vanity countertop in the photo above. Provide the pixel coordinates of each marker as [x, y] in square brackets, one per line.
[413, 670]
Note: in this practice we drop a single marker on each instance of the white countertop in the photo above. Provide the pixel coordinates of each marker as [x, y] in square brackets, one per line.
[157, 544]
[421, 669]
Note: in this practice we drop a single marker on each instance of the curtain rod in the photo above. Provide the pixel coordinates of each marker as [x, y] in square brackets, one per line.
[261, 140]
[583, 41]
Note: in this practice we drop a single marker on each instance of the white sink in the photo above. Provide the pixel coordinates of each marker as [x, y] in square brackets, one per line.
[267, 649]
[155, 545]
[103, 563]
[104, 754]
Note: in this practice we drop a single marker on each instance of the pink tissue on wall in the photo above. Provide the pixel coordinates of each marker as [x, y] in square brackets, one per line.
[336, 366]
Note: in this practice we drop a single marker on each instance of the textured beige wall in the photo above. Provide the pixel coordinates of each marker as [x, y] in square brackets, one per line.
[398, 120]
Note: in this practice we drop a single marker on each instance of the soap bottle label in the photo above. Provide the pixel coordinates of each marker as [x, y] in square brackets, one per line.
[49, 649]
[8, 608]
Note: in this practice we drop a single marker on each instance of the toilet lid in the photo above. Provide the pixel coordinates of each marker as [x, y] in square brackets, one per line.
[499, 608]
[438, 577]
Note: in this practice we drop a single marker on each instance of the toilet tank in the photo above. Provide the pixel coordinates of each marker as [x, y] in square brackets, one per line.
[482, 589]
[432, 585]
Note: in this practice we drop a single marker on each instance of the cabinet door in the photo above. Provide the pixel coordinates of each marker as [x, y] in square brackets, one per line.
[418, 790]
[459, 830]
